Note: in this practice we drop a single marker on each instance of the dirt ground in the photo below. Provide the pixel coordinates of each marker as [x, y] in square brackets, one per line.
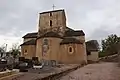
[37, 74]
[99, 71]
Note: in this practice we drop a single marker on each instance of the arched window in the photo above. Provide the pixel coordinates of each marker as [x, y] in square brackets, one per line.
[50, 22]
[70, 50]
[25, 51]
[50, 13]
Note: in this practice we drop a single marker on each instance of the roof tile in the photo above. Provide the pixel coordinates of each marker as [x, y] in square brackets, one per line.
[70, 40]
[30, 35]
[30, 42]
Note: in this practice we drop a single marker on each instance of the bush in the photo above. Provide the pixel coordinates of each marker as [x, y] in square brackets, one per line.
[102, 54]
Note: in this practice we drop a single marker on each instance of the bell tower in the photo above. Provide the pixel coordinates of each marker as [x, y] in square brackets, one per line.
[52, 21]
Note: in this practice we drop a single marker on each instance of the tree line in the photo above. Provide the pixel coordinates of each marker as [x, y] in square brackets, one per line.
[110, 45]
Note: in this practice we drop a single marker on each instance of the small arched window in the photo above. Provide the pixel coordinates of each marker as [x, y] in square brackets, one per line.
[50, 13]
[70, 50]
[25, 51]
[50, 22]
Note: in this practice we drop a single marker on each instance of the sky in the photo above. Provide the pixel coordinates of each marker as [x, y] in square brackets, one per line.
[97, 18]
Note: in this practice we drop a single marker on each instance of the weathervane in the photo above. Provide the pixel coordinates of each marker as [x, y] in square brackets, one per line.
[53, 6]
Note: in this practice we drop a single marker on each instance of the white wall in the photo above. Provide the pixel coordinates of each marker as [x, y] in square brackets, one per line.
[93, 56]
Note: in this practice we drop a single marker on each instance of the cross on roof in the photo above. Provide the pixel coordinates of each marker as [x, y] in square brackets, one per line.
[53, 6]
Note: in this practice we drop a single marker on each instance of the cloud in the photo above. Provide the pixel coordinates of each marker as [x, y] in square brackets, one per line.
[97, 18]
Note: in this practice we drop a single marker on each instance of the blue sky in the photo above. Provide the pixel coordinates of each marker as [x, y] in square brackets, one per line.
[97, 18]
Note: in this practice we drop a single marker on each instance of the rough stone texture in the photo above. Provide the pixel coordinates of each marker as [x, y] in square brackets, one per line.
[101, 71]
[58, 19]
[53, 50]
[76, 57]
[61, 53]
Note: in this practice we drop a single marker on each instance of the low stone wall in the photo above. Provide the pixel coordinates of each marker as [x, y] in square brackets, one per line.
[55, 76]
[111, 58]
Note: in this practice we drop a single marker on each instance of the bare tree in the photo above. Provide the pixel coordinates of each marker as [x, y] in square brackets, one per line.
[15, 50]
[3, 50]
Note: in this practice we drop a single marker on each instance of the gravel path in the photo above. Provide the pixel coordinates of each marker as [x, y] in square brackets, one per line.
[99, 71]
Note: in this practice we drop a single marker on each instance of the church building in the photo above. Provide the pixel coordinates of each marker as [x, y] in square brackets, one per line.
[55, 41]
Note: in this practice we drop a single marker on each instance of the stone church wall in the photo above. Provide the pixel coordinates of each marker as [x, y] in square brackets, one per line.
[28, 51]
[51, 50]
[76, 57]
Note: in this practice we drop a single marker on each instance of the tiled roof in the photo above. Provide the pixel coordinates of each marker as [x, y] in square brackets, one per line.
[70, 40]
[30, 35]
[52, 11]
[30, 42]
[92, 45]
[70, 33]
[74, 33]
[50, 34]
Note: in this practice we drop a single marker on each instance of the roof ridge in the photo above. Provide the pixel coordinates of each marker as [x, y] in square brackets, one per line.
[52, 11]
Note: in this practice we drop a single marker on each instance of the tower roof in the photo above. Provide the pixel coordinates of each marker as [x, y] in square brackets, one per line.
[52, 11]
